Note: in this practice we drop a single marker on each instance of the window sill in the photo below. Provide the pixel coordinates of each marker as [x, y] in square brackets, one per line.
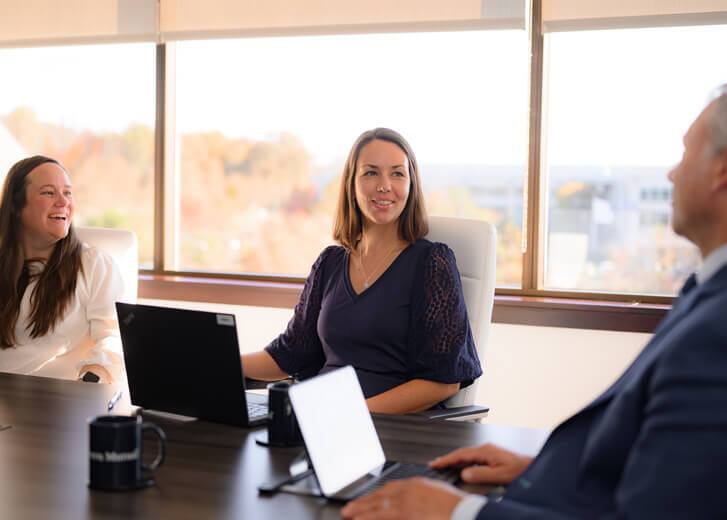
[510, 309]
[578, 314]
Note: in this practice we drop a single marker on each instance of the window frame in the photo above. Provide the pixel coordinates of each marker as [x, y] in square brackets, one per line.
[528, 296]
[529, 304]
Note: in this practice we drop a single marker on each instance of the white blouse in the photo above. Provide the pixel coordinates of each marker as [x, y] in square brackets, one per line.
[88, 334]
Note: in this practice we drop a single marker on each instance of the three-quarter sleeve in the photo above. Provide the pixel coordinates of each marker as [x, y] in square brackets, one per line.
[298, 351]
[442, 348]
[105, 287]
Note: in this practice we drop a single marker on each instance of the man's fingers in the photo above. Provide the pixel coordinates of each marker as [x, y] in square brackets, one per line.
[394, 487]
[485, 475]
[388, 514]
[378, 502]
[472, 455]
[359, 508]
[404, 499]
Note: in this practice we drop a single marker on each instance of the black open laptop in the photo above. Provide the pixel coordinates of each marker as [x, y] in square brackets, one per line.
[187, 362]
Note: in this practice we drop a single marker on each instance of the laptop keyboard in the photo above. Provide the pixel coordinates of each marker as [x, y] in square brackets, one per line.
[256, 411]
[402, 470]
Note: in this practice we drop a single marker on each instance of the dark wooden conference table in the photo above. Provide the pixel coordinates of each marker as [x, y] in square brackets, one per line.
[211, 471]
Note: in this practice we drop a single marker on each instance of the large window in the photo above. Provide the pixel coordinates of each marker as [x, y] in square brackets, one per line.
[264, 126]
[92, 108]
[260, 108]
[618, 103]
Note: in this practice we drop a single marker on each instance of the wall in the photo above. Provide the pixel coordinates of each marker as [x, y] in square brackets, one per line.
[538, 376]
[534, 376]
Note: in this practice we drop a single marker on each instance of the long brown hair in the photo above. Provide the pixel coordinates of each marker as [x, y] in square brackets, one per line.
[348, 224]
[55, 285]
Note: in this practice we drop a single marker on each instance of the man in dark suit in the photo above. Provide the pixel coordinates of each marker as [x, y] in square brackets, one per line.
[654, 444]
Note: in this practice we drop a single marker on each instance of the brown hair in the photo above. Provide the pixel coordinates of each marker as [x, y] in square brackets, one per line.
[348, 224]
[55, 285]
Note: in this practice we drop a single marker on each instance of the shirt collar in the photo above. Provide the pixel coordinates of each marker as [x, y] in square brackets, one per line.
[713, 263]
[35, 266]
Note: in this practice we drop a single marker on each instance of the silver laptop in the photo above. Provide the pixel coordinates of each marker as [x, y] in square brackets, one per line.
[337, 426]
[188, 363]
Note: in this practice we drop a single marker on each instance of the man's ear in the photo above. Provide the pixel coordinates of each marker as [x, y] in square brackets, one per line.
[720, 178]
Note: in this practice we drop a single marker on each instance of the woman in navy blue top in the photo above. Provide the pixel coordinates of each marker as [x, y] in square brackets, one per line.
[386, 301]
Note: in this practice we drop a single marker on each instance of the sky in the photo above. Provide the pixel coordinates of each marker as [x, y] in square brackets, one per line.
[611, 97]
[99, 87]
[436, 89]
[635, 91]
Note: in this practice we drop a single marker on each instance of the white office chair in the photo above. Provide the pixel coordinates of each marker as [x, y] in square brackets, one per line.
[473, 243]
[123, 248]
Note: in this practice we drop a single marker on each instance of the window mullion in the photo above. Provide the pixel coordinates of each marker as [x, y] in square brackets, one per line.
[533, 203]
[159, 163]
[166, 189]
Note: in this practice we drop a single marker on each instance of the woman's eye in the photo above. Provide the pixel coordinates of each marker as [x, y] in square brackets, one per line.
[369, 173]
[68, 194]
[399, 173]
[46, 192]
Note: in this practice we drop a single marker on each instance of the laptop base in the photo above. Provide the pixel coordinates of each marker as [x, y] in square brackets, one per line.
[306, 484]
[261, 439]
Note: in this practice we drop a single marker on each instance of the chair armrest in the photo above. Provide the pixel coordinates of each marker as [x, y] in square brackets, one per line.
[459, 413]
[256, 384]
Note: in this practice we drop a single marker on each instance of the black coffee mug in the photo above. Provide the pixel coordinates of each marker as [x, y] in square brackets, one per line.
[283, 427]
[115, 458]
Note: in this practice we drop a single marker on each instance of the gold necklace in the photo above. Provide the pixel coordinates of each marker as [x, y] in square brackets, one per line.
[378, 266]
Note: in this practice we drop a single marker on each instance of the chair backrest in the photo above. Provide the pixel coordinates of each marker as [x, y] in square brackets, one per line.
[473, 243]
[123, 248]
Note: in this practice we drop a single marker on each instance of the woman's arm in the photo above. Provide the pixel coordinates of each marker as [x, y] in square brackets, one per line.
[261, 365]
[105, 286]
[413, 396]
[441, 348]
[297, 351]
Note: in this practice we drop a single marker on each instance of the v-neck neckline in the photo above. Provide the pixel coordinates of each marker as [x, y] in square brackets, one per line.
[347, 274]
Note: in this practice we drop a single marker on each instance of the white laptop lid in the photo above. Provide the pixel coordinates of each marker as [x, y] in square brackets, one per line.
[337, 428]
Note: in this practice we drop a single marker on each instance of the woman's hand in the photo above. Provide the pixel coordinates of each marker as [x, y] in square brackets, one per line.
[486, 464]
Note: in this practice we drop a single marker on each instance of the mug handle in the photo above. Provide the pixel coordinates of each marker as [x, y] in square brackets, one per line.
[162, 446]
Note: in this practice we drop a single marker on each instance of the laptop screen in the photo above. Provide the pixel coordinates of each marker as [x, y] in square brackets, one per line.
[337, 428]
[183, 361]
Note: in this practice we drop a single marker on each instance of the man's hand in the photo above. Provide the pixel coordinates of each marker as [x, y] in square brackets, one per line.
[418, 498]
[486, 464]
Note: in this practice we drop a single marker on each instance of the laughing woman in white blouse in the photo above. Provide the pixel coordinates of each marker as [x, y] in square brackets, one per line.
[57, 295]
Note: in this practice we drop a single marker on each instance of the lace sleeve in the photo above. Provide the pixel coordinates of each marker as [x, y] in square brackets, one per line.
[298, 350]
[443, 350]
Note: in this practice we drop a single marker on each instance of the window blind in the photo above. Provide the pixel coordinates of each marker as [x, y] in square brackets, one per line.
[181, 19]
[559, 15]
[41, 22]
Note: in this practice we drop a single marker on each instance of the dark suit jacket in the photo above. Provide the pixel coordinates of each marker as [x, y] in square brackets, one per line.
[654, 445]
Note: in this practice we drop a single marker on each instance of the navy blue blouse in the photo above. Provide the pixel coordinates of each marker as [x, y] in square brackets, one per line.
[411, 323]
